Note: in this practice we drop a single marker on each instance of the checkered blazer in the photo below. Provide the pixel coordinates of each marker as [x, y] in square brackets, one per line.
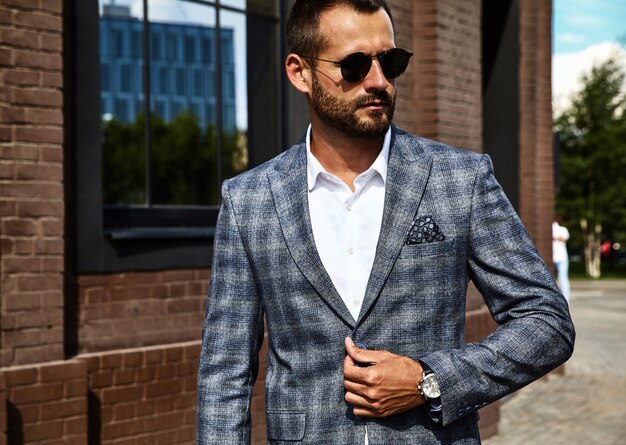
[265, 264]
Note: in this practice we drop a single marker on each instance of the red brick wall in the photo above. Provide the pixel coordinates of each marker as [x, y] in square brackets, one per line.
[447, 88]
[135, 309]
[145, 395]
[47, 403]
[536, 173]
[31, 181]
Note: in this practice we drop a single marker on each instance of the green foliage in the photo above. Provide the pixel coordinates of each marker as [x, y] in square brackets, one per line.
[183, 161]
[593, 155]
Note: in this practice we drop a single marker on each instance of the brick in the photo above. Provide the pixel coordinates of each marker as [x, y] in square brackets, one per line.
[20, 376]
[38, 21]
[49, 246]
[51, 79]
[15, 339]
[36, 393]
[55, 6]
[23, 4]
[6, 16]
[123, 376]
[50, 264]
[39, 282]
[12, 115]
[46, 172]
[42, 430]
[19, 152]
[162, 387]
[40, 208]
[125, 394]
[20, 38]
[52, 153]
[37, 60]
[20, 77]
[63, 371]
[122, 429]
[100, 379]
[75, 387]
[63, 408]
[6, 133]
[7, 57]
[16, 265]
[51, 135]
[124, 411]
[75, 426]
[132, 359]
[28, 355]
[153, 356]
[39, 96]
[52, 227]
[51, 42]
[18, 227]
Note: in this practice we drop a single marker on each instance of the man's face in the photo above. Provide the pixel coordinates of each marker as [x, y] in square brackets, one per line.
[347, 116]
[361, 109]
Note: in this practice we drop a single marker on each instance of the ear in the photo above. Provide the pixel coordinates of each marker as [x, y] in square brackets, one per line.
[297, 73]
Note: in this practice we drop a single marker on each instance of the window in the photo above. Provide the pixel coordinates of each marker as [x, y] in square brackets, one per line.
[150, 155]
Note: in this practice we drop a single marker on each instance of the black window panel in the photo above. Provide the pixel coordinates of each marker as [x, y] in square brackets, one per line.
[109, 238]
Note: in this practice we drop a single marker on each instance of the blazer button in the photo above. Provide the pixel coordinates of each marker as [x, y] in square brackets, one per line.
[461, 412]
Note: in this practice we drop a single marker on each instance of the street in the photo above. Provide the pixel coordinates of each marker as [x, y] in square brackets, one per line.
[588, 404]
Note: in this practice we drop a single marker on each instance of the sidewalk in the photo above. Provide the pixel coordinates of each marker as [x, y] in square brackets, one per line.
[588, 404]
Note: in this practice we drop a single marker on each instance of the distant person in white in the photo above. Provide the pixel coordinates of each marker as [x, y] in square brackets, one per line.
[560, 235]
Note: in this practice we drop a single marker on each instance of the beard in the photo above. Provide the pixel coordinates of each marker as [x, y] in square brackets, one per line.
[341, 114]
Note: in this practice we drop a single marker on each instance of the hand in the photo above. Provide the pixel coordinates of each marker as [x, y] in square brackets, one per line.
[387, 386]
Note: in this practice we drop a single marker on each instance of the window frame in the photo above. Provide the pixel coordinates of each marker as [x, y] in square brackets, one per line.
[106, 239]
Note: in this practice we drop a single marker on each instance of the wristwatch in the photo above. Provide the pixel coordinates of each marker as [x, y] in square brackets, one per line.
[429, 386]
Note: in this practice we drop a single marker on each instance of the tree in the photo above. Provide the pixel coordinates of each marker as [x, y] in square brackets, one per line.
[592, 193]
[183, 162]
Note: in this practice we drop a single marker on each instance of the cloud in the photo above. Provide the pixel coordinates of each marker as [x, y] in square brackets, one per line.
[569, 68]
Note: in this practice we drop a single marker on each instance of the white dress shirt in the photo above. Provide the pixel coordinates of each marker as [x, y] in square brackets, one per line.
[346, 224]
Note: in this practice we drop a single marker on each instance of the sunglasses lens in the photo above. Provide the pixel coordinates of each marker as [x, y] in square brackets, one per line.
[355, 67]
[394, 62]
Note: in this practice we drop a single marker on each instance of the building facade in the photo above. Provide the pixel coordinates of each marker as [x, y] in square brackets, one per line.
[102, 305]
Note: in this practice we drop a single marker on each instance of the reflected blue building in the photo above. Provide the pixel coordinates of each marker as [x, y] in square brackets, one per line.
[182, 69]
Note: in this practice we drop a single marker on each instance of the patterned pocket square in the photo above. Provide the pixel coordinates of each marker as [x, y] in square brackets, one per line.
[423, 230]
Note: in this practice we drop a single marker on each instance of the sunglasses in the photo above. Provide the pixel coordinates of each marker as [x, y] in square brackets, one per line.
[354, 67]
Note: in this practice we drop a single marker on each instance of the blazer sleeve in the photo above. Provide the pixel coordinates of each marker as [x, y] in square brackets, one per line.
[535, 332]
[231, 338]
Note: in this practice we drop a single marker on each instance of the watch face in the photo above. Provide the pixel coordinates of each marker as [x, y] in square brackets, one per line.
[430, 387]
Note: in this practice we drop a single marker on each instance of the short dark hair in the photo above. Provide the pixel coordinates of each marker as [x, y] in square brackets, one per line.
[303, 24]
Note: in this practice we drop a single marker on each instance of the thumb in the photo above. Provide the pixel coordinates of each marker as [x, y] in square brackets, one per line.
[356, 353]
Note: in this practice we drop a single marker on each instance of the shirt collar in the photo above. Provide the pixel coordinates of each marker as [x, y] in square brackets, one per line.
[315, 168]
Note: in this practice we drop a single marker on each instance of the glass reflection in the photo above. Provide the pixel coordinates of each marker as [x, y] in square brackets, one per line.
[191, 146]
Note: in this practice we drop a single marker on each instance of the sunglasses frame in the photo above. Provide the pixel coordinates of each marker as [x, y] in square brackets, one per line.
[381, 57]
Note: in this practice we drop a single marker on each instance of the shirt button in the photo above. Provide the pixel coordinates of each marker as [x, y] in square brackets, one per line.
[350, 251]
[355, 303]
[349, 207]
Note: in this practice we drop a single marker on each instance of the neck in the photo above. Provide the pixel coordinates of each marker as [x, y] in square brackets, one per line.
[344, 156]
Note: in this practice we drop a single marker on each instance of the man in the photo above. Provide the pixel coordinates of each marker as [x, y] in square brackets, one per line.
[365, 235]
[560, 235]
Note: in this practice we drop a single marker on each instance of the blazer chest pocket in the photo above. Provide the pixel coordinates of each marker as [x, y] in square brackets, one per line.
[426, 250]
[285, 425]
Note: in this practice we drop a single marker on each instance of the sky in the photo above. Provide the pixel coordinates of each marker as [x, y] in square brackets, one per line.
[585, 32]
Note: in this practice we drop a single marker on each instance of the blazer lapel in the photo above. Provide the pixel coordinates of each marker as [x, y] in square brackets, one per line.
[408, 170]
[288, 183]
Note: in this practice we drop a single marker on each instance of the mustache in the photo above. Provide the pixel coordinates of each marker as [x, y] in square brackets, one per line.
[380, 96]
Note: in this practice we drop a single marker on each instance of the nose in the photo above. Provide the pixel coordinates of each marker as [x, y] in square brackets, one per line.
[375, 79]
